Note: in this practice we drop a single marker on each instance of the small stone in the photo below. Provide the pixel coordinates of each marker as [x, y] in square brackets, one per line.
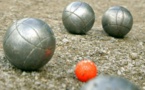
[118, 72]
[63, 85]
[65, 40]
[112, 40]
[36, 77]
[24, 73]
[70, 71]
[80, 58]
[133, 56]
[144, 88]
[37, 83]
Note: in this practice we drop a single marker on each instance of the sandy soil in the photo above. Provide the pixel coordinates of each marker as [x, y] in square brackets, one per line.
[123, 57]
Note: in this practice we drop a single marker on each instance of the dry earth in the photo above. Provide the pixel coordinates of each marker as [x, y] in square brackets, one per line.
[123, 57]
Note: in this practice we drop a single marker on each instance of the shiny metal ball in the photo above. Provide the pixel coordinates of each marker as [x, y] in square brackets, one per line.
[29, 44]
[109, 83]
[117, 21]
[78, 17]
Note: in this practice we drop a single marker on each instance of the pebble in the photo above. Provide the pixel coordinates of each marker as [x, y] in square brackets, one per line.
[65, 40]
[119, 72]
[133, 56]
[144, 88]
[24, 73]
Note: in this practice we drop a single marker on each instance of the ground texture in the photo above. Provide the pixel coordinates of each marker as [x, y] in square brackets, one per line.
[122, 57]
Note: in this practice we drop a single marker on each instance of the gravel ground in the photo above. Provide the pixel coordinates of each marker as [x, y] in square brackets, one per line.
[123, 57]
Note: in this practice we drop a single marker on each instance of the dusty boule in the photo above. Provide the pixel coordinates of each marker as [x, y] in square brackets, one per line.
[103, 82]
[78, 17]
[29, 44]
[117, 21]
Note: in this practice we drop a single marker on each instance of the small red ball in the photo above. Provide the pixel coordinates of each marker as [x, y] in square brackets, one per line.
[86, 70]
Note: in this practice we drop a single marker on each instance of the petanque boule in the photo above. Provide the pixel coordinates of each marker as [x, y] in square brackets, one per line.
[106, 82]
[78, 17]
[29, 44]
[117, 21]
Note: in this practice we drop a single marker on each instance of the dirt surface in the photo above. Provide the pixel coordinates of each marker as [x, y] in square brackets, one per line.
[122, 57]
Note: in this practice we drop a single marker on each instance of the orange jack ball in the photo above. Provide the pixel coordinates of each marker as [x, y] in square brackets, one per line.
[86, 70]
